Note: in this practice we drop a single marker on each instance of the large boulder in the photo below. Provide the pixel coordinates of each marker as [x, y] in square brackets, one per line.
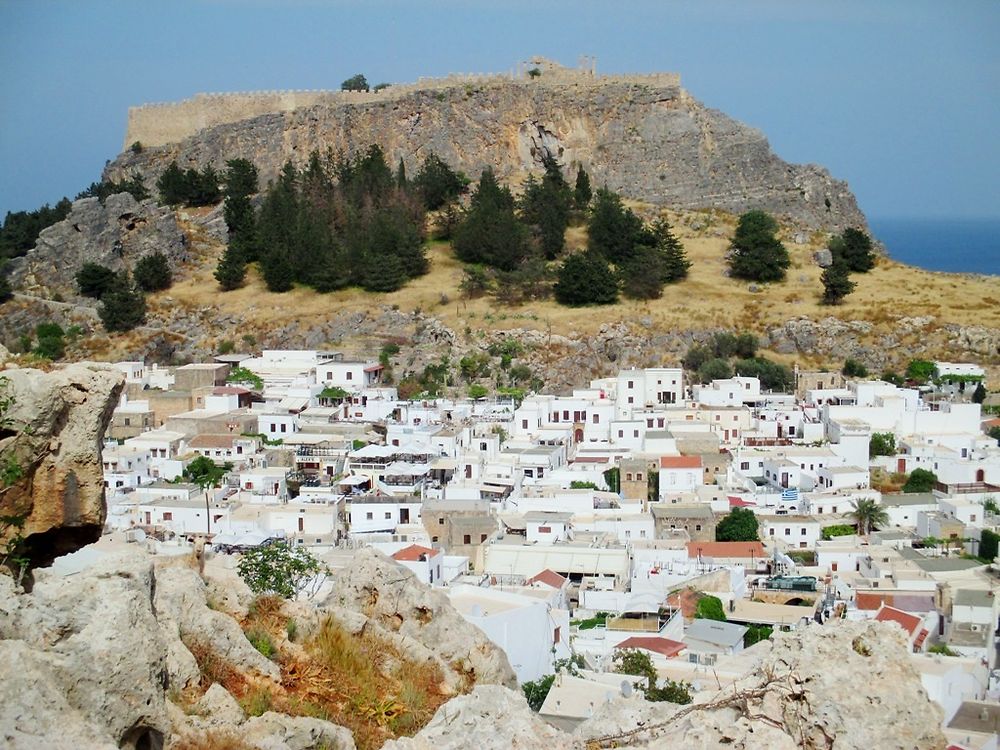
[82, 663]
[51, 427]
[391, 596]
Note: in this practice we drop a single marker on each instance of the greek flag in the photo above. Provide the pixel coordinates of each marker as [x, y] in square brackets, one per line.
[791, 494]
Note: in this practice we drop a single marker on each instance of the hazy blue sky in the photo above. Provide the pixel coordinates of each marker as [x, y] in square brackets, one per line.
[901, 98]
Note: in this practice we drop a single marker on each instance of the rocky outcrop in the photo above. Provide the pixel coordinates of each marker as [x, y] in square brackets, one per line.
[82, 664]
[848, 686]
[645, 137]
[390, 596]
[50, 447]
[114, 234]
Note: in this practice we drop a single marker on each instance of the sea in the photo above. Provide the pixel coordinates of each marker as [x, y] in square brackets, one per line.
[954, 245]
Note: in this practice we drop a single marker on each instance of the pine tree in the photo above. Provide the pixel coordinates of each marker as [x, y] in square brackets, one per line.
[642, 274]
[152, 272]
[401, 181]
[546, 205]
[837, 282]
[855, 248]
[94, 280]
[172, 185]
[675, 262]
[6, 292]
[238, 211]
[582, 192]
[613, 230]
[438, 183]
[490, 233]
[756, 253]
[123, 307]
[232, 269]
[586, 279]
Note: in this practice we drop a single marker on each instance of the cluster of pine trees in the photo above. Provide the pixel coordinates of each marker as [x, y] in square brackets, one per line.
[852, 252]
[189, 187]
[334, 224]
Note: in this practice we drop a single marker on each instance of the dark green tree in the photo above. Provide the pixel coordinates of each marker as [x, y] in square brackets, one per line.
[675, 262]
[51, 341]
[854, 369]
[232, 269]
[586, 279]
[173, 186]
[401, 181]
[740, 525]
[613, 230]
[837, 282]
[920, 480]
[94, 280]
[21, 228]
[868, 515]
[714, 369]
[240, 185]
[746, 345]
[356, 82]
[581, 191]
[6, 292]
[772, 376]
[152, 272]
[438, 183]
[854, 247]
[123, 307]
[546, 206]
[490, 233]
[756, 254]
[642, 275]
[921, 370]
[536, 691]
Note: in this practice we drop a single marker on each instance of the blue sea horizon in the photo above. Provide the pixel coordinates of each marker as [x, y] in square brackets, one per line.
[952, 245]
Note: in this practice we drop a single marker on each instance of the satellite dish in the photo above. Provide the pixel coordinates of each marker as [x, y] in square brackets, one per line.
[626, 688]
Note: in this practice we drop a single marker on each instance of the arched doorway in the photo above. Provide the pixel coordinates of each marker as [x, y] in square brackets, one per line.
[980, 475]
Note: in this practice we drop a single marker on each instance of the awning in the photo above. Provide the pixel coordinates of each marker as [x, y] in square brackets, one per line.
[445, 464]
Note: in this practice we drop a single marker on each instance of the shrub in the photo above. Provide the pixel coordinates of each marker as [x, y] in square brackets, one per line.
[921, 480]
[740, 525]
[261, 641]
[854, 369]
[535, 691]
[710, 608]
[123, 307]
[95, 280]
[281, 569]
[882, 444]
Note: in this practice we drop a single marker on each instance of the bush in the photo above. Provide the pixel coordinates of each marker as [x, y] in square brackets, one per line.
[586, 279]
[356, 82]
[261, 641]
[710, 608]
[152, 273]
[756, 254]
[281, 569]
[882, 444]
[740, 525]
[536, 691]
[854, 369]
[921, 480]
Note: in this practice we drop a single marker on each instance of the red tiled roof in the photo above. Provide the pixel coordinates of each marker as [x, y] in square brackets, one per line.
[373, 368]
[739, 502]
[680, 462]
[919, 640]
[549, 578]
[664, 646]
[413, 553]
[726, 549]
[229, 390]
[908, 622]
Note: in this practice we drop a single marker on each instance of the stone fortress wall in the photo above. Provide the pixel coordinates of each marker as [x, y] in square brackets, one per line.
[170, 122]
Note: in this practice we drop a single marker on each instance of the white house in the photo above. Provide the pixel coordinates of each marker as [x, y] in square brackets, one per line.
[800, 532]
[426, 563]
[679, 474]
[544, 527]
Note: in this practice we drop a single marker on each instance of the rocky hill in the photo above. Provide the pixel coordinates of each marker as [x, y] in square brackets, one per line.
[643, 136]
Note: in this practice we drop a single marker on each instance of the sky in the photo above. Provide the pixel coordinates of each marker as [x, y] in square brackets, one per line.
[901, 98]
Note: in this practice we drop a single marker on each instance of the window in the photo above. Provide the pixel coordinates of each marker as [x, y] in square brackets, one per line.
[168, 516]
[802, 532]
[441, 521]
[388, 515]
[621, 433]
[350, 375]
[127, 424]
[555, 635]
[482, 537]
[697, 527]
[524, 424]
[434, 539]
[771, 532]
[597, 419]
[630, 400]
[635, 433]
[628, 476]
[284, 427]
[788, 532]
[638, 477]
[466, 539]
[544, 529]
[631, 384]
[274, 427]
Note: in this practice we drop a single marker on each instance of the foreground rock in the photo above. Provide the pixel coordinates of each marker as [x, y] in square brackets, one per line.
[51, 432]
[390, 596]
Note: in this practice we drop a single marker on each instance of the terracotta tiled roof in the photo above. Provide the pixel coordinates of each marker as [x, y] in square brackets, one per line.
[548, 577]
[413, 553]
[680, 462]
[663, 646]
[908, 622]
[739, 502]
[746, 550]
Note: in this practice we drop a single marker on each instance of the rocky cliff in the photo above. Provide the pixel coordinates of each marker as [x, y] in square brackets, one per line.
[114, 234]
[644, 137]
[51, 428]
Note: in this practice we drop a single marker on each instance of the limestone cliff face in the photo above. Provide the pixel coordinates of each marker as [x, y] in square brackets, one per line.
[646, 138]
[51, 432]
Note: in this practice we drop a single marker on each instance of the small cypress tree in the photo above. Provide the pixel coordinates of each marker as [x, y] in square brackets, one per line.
[401, 181]
[586, 279]
[123, 307]
[979, 395]
[172, 185]
[6, 292]
[756, 253]
[675, 263]
[642, 274]
[613, 230]
[582, 192]
[855, 247]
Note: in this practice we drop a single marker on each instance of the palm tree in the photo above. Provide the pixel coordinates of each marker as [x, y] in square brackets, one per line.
[868, 514]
